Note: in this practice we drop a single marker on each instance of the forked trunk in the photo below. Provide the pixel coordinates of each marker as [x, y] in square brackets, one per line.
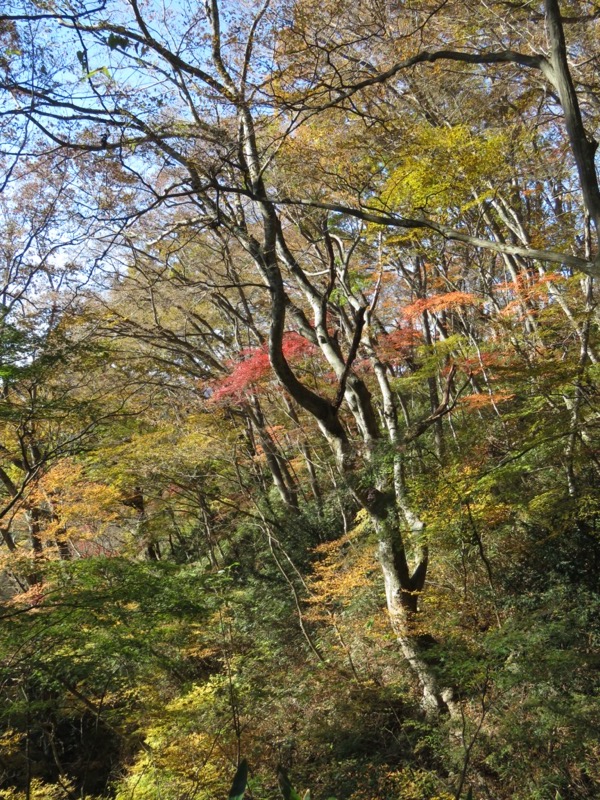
[402, 590]
[402, 611]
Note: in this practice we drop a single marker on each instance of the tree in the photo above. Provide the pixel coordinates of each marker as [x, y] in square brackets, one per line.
[201, 119]
[54, 403]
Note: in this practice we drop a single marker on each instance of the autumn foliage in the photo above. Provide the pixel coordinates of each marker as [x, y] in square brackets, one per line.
[253, 368]
[299, 400]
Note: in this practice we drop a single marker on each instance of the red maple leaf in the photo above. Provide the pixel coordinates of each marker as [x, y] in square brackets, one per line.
[255, 367]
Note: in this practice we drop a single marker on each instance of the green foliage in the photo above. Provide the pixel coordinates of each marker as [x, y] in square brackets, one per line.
[287, 790]
[238, 787]
[451, 169]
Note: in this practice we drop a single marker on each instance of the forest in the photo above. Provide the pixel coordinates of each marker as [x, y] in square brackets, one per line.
[299, 409]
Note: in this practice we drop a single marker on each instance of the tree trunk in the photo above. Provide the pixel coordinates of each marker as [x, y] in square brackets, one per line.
[403, 587]
[402, 590]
